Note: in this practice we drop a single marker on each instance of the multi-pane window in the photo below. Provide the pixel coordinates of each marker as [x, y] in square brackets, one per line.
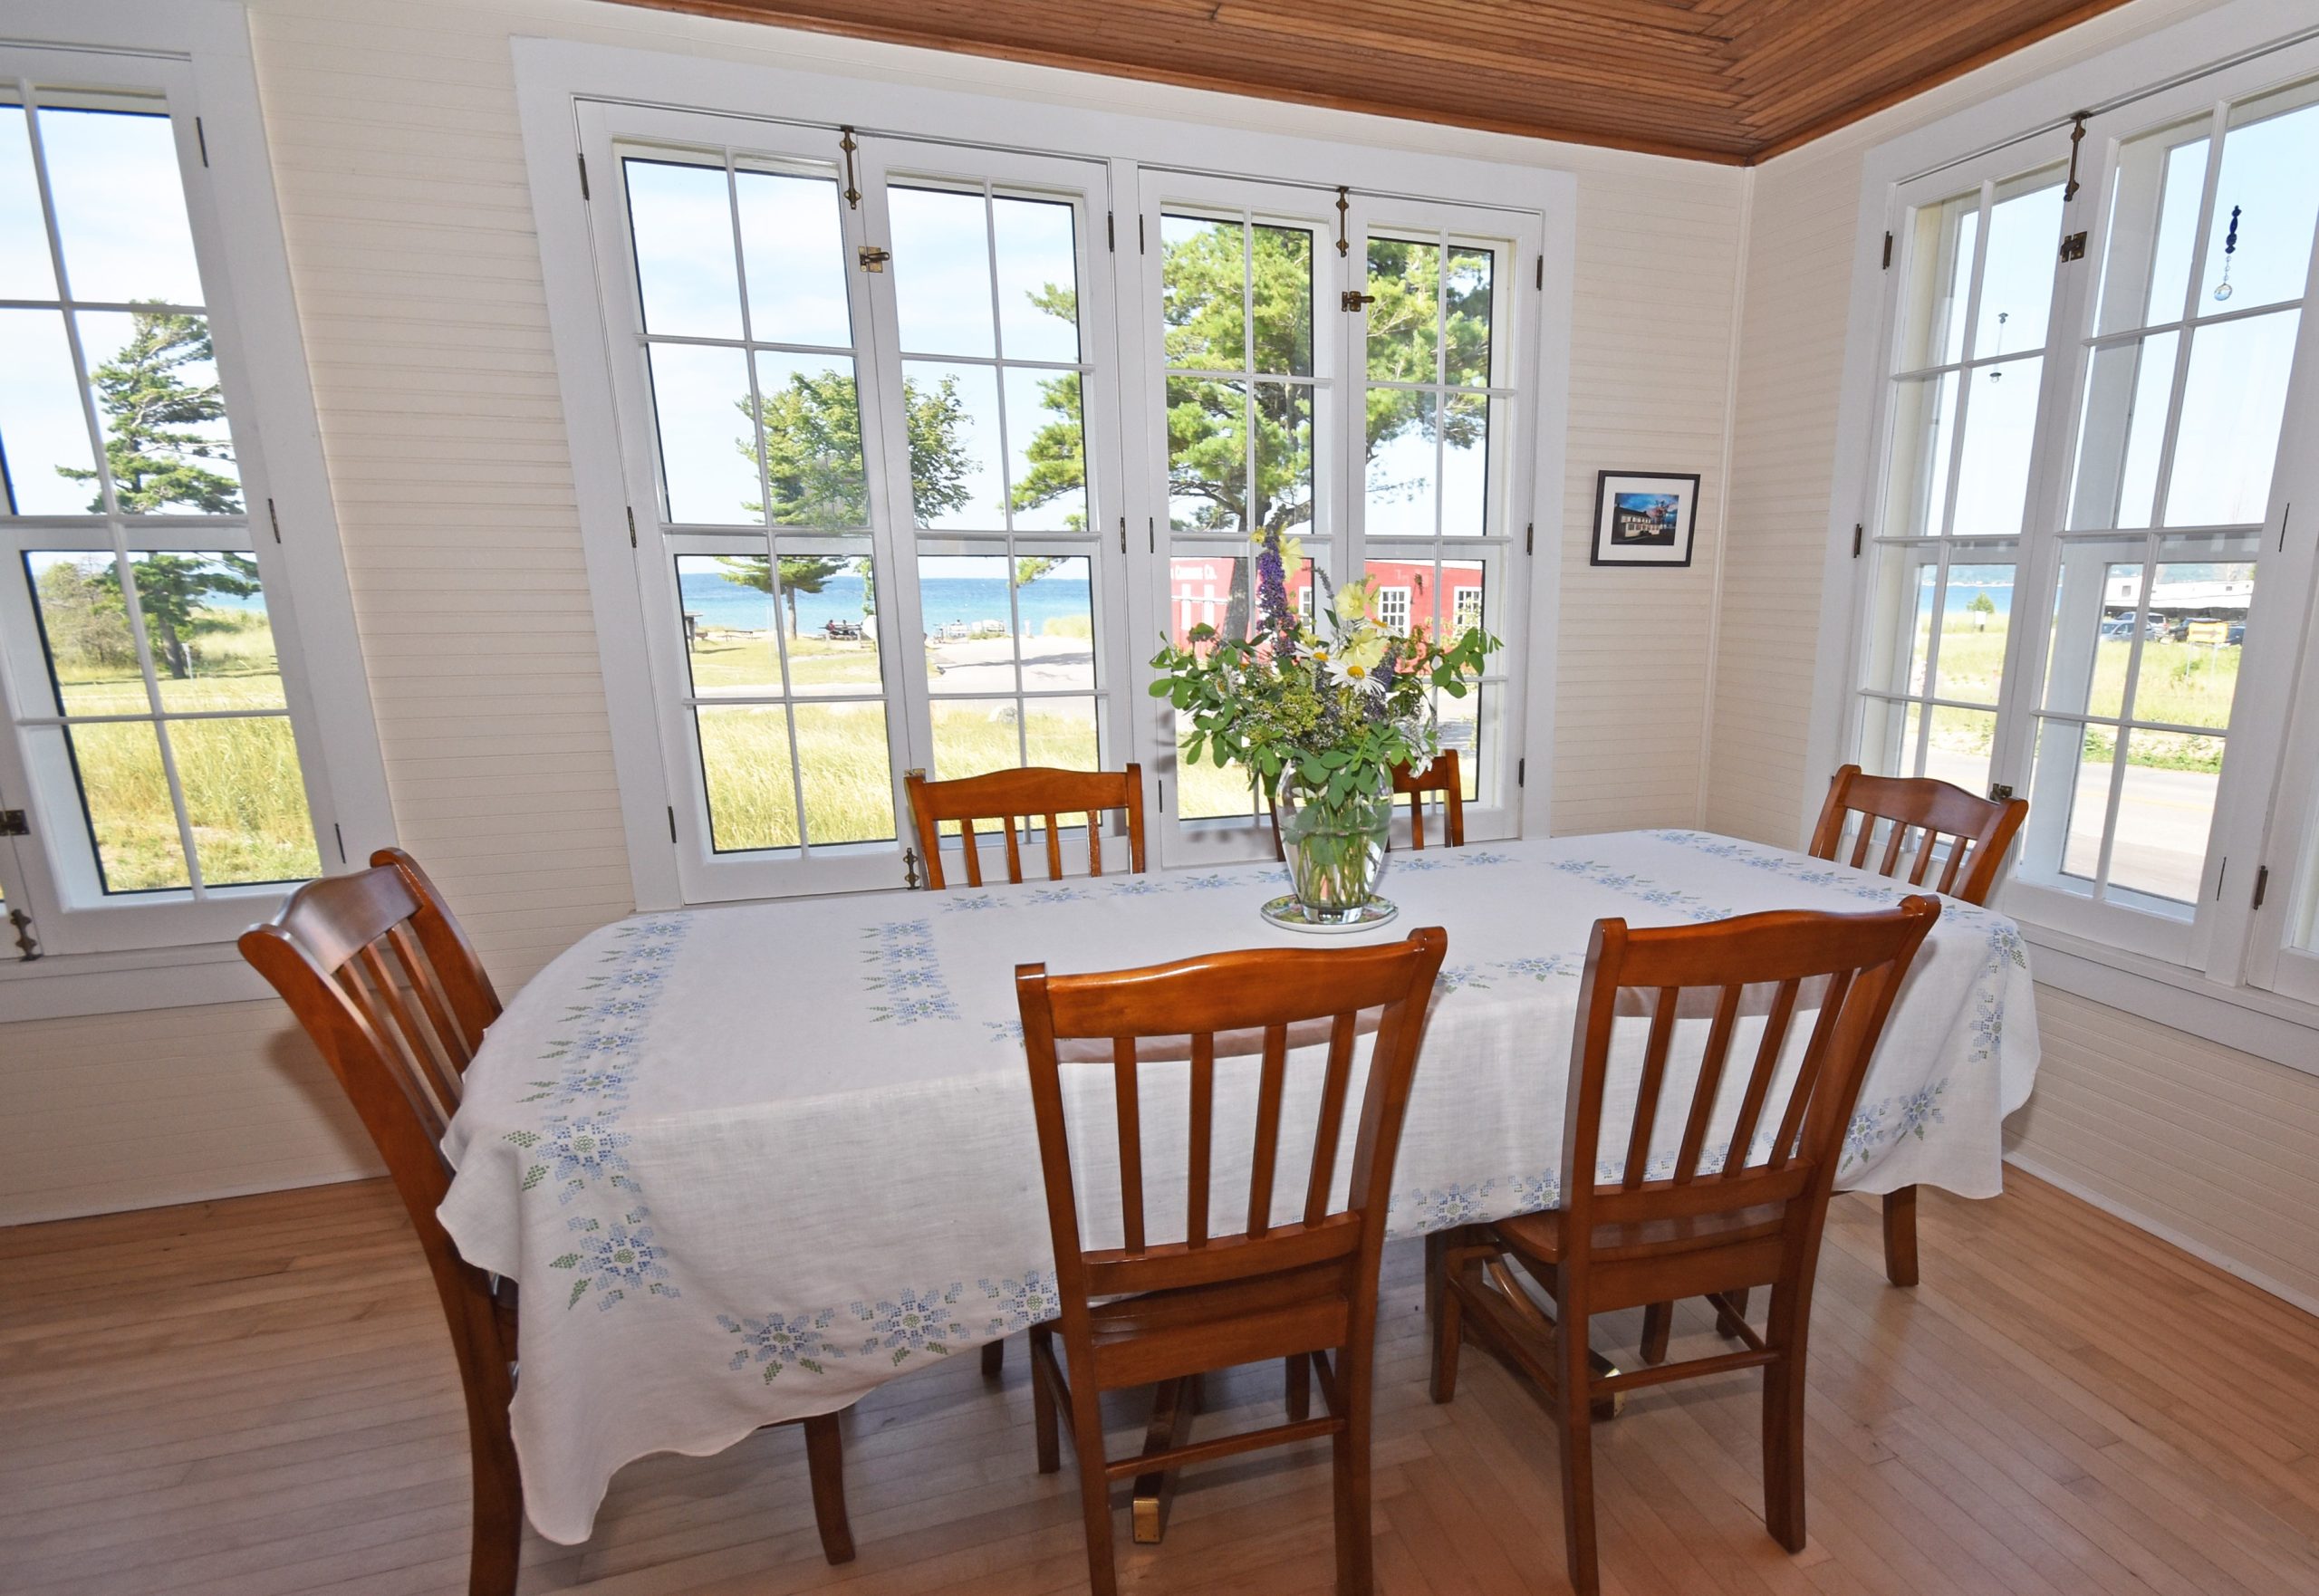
[1432, 525]
[2080, 533]
[150, 705]
[874, 441]
[1968, 368]
[1242, 392]
[2185, 377]
[987, 294]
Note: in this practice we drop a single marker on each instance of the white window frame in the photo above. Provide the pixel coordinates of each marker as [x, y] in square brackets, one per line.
[160, 949]
[2221, 975]
[555, 78]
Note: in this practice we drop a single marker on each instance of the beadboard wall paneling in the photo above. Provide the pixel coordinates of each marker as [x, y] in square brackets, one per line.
[2172, 1130]
[399, 169]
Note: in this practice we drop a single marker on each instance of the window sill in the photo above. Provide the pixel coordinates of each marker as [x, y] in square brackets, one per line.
[64, 985]
[2283, 1030]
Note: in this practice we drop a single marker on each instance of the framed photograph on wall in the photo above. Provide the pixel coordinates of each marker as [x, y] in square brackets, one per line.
[1644, 518]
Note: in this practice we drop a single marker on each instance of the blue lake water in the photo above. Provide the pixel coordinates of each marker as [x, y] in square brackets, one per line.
[942, 600]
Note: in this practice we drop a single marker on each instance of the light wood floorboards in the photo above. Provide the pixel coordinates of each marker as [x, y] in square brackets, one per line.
[257, 1396]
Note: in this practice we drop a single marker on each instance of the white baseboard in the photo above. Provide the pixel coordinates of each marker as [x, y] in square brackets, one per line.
[181, 1200]
[2167, 1234]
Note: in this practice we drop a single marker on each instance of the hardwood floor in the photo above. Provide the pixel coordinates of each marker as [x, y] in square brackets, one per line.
[256, 1397]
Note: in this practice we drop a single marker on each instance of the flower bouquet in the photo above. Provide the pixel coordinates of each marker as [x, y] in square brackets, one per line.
[1319, 713]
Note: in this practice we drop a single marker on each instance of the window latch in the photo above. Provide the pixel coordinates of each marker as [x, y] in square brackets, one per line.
[1999, 793]
[872, 258]
[27, 945]
[12, 823]
[1352, 299]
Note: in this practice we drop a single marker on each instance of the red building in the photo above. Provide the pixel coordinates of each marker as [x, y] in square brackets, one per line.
[1199, 591]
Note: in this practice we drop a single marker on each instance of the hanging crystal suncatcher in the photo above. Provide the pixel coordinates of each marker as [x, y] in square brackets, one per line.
[2229, 248]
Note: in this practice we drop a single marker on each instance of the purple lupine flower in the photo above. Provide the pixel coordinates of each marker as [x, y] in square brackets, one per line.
[1272, 586]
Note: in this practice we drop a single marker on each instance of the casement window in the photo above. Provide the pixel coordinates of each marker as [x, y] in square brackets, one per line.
[164, 765]
[2090, 546]
[927, 446]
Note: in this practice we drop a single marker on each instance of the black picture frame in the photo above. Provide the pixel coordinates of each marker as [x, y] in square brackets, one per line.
[1644, 518]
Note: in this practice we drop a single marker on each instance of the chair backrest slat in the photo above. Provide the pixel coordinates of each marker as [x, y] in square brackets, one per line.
[1710, 1083]
[1808, 1071]
[1853, 965]
[1271, 1083]
[1979, 830]
[1130, 1116]
[1654, 1076]
[1332, 1116]
[1203, 1139]
[1038, 793]
[1776, 1021]
[1279, 997]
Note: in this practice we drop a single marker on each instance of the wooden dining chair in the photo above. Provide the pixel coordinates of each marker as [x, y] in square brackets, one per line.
[1709, 1222]
[389, 987]
[1170, 1311]
[1009, 795]
[1918, 812]
[1440, 776]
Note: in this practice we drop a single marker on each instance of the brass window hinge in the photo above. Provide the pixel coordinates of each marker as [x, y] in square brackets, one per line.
[27, 945]
[2074, 247]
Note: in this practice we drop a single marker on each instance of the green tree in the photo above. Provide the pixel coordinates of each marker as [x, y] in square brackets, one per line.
[809, 433]
[160, 418]
[1982, 607]
[173, 594]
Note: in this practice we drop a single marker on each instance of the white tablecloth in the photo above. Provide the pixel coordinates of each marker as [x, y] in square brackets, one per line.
[749, 1161]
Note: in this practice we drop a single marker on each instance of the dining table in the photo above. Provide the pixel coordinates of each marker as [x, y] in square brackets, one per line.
[748, 1161]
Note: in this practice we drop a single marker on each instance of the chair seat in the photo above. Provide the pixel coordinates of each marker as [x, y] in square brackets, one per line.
[1538, 1237]
[1191, 1330]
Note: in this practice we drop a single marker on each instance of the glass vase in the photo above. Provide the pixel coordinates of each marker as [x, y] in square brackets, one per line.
[1335, 848]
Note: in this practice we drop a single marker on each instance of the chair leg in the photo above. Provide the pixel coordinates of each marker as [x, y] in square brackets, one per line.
[1573, 1429]
[498, 1495]
[1355, 1576]
[825, 1463]
[1724, 1322]
[1299, 1369]
[1658, 1324]
[1783, 1425]
[1449, 1333]
[1094, 1487]
[1900, 1236]
[994, 1358]
[1043, 1416]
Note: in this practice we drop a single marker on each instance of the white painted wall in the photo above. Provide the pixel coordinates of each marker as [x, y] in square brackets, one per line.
[2211, 1146]
[400, 174]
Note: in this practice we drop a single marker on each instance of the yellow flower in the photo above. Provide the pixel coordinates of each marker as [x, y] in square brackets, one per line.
[1364, 650]
[1353, 599]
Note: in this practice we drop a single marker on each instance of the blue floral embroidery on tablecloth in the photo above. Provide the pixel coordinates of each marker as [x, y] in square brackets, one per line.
[1059, 895]
[1453, 977]
[1418, 1212]
[1210, 882]
[1643, 889]
[909, 972]
[1534, 1194]
[1472, 856]
[1009, 1031]
[614, 1258]
[919, 1321]
[774, 1343]
[583, 1153]
[1546, 968]
[1135, 887]
[575, 1152]
[1021, 1303]
[966, 903]
[1402, 864]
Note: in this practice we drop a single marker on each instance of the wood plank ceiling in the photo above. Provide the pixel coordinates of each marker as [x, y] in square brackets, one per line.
[1732, 80]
